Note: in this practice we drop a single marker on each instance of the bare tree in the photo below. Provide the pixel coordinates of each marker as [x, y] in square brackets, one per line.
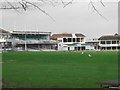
[26, 4]
[96, 10]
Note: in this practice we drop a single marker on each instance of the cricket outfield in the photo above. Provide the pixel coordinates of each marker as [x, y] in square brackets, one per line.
[58, 69]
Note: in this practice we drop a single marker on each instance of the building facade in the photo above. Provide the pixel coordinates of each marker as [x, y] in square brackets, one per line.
[67, 42]
[32, 40]
[109, 42]
[5, 40]
[92, 44]
[43, 41]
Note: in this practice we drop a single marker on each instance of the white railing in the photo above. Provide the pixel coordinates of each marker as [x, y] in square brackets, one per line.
[107, 45]
[33, 41]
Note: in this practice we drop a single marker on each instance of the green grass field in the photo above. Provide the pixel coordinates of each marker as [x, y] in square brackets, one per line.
[58, 69]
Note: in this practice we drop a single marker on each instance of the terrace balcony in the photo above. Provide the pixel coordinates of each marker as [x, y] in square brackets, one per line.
[18, 41]
[109, 45]
[2, 40]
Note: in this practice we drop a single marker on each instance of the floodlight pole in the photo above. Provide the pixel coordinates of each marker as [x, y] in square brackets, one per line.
[25, 43]
[38, 41]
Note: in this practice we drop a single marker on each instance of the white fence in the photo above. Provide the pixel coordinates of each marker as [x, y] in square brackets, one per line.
[17, 41]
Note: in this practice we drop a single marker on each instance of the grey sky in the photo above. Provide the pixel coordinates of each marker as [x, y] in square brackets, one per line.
[75, 18]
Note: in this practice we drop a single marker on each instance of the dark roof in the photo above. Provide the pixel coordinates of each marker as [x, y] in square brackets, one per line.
[66, 35]
[3, 31]
[110, 37]
[79, 35]
[61, 35]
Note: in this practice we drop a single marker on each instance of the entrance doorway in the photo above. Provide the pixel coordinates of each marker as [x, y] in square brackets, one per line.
[68, 48]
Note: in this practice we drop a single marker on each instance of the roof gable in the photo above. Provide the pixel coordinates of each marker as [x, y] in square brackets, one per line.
[3, 31]
[110, 37]
[79, 35]
[66, 35]
[61, 35]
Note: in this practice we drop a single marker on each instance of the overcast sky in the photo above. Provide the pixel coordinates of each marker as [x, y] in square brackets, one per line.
[75, 18]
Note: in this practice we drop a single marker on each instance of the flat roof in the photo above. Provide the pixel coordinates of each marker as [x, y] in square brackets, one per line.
[30, 32]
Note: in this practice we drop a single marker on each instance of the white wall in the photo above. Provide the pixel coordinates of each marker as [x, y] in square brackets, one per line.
[89, 47]
[65, 48]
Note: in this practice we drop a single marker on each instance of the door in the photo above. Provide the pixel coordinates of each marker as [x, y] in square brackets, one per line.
[68, 48]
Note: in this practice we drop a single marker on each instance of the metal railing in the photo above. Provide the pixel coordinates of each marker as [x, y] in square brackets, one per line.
[33, 41]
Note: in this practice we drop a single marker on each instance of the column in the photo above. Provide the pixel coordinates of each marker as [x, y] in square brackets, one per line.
[25, 43]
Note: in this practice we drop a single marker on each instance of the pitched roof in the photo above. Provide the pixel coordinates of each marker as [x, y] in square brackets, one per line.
[3, 31]
[66, 35]
[110, 37]
[61, 35]
[79, 35]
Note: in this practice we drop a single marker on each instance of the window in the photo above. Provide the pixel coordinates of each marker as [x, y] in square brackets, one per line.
[102, 42]
[69, 40]
[78, 39]
[68, 48]
[59, 40]
[64, 40]
[108, 42]
[117, 42]
[118, 48]
[108, 48]
[82, 48]
[73, 39]
[113, 42]
[114, 48]
[103, 48]
[76, 48]
[82, 39]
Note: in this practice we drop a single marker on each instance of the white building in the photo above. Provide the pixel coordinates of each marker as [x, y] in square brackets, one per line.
[32, 40]
[109, 42]
[68, 41]
[5, 42]
[92, 44]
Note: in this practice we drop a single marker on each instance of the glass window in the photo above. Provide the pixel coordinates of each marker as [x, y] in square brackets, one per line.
[114, 48]
[69, 40]
[108, 42]
[59, 40]
[108, 48]
[76, 48]
[82, 39]
[118, 48]
[64, 40]
[113, 42]
[102, 42]
[117, 42]
[73, 39]
[78, 39]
